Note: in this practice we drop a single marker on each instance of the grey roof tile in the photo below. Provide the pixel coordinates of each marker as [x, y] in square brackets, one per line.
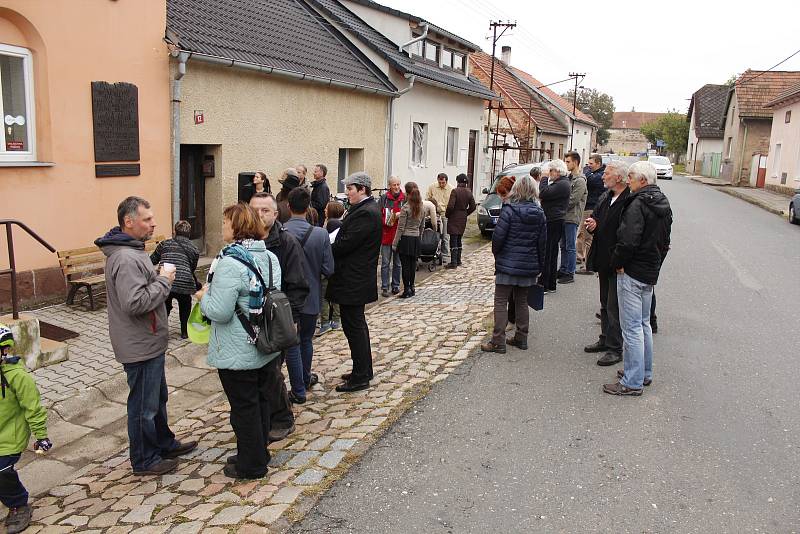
[707, 109]
[283, 34]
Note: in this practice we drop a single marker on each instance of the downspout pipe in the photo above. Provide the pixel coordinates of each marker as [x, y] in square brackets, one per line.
[182, 57]
[403, 47]
[390, 148]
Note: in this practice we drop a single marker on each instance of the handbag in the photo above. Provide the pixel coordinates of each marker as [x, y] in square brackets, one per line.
[536, 297]
[276, 328]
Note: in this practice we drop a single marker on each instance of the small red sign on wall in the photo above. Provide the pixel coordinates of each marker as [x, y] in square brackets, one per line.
[15, 145]
[199, 118]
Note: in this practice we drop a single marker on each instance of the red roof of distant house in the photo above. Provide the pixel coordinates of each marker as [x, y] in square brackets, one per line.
[633, 120]
[755, 89]
[788, 96]
[515, 94]
[558, 100]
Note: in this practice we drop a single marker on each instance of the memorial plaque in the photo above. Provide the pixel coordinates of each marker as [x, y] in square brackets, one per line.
[115, 116]
[120, 169]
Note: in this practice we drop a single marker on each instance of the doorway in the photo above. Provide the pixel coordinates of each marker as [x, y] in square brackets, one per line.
[473, 146]
[193, 191]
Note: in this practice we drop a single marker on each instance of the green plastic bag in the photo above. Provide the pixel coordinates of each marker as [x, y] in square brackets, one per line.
[198, 327]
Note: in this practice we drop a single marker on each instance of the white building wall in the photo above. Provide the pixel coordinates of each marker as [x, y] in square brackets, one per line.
[395, 28]
[693, 165]
[582, 140]
[788, 136]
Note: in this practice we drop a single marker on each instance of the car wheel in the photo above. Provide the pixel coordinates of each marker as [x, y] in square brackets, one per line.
[792, 215]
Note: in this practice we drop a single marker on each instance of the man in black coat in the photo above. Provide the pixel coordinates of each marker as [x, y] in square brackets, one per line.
[595, 187]
[354, 283]
[554, 192]
[603, 224]
[320, 192]
[643, 239]
[294, 284]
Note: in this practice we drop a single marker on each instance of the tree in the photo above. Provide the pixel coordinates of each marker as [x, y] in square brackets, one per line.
[599, 106]
[672, 128]
[732, 80]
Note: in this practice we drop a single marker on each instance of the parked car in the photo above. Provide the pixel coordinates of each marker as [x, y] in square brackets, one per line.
[794, 205]
[663, 166]
[489, 209]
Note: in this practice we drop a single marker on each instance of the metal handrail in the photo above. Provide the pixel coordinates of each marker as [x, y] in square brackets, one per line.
[12, 264]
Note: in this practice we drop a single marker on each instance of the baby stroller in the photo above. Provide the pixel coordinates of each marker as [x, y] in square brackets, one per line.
[430, 246]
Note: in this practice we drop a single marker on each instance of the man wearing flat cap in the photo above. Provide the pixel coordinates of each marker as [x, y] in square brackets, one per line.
[288, 181]
[354, 283]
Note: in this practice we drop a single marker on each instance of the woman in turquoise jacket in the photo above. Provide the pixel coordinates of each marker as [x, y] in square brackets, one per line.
[233, 288]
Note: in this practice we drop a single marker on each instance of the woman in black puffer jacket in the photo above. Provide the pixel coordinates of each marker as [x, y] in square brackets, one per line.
[518, 245]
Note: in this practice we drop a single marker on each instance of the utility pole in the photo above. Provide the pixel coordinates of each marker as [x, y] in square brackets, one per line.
[494, 25]
[575, 75]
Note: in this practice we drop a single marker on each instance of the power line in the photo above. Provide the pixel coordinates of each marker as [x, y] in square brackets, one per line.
[769, 69]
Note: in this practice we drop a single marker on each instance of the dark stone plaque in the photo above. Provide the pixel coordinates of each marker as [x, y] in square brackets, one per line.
[120, 169]
[115, 116]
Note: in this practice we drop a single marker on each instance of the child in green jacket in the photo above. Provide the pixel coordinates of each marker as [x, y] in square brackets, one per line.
[21, 413]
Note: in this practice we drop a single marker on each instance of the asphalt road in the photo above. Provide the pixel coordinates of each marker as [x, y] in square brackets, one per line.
[527, 442]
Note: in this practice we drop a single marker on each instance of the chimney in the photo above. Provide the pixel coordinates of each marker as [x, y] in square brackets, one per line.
[505, 55]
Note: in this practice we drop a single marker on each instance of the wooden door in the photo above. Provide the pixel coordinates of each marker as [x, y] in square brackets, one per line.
[473, 141]
[193, 189]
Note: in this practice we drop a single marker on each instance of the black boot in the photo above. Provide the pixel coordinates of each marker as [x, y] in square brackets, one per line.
[459, 257]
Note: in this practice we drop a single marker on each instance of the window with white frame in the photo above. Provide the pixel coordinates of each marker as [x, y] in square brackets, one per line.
[447, 58]
[431, 51]
[16, 104]
[459, 62]
[419, 144]
[452, 146]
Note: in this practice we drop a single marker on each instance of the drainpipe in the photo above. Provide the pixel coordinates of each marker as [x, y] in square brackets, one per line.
[183, 57]
[403, 47]
[390, 149]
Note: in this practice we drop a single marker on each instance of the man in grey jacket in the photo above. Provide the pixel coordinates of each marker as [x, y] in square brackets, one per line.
[137, 325]
[574, 217]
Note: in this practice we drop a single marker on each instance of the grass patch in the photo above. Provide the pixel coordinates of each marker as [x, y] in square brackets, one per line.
[679, 167]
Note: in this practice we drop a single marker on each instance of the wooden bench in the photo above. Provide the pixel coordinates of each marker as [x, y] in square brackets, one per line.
[84, 267]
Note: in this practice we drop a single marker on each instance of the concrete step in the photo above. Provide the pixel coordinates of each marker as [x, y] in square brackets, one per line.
[51, 352]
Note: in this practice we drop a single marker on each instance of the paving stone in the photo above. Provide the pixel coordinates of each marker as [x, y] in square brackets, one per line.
[343, 444]
[75, 520]
[280, 458]
[201, 511]
[106, 519]
[160, 498]
[139, 514]
[269, 514]
[168, 480]
[193, 484]
[320, 444]
[226, 497]
[287, 495]
[167, 513]
[309, 477]
[192, 527]
[232, 515]
[147, 488]
[331, 459]
[302, 458]
[64, 491]
[128, 502]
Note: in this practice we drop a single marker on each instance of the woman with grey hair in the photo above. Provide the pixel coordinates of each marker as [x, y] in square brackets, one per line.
[554, 191]
[518, 245]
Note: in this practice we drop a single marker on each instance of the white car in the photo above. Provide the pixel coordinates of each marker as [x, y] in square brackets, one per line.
[663, 166]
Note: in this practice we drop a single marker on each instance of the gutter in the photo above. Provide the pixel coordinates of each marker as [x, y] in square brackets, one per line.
[390, 137]
[453, 89]
[402, 47]
[284, 73]
[182, 57]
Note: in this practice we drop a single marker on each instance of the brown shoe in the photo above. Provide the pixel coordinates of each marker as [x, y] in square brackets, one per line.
[492, 347]
[618, 389]
[180, 450]
[621, 373]
[159, 468]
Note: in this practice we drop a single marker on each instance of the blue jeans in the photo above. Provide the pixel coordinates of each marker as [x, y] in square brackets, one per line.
[635, 298]
[389, 258]
[12, 493]
[148, 431]
[568, 248]
[298, 358]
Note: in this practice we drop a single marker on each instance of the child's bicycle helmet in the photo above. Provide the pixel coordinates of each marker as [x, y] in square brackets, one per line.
[6, 337]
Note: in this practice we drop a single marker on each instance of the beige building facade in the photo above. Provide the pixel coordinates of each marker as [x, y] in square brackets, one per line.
[50, 53]
[783, 163]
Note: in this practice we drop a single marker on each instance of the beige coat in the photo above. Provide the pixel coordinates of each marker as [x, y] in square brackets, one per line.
[408, 225]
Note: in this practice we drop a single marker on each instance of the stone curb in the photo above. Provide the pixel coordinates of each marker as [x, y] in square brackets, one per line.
[732, 191]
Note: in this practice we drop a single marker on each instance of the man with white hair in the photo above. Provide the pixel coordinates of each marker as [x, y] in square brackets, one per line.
[554, 193]
[602, 225]
[642, 243]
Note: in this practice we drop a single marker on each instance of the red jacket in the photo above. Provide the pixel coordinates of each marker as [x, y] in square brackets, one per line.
[390, 204]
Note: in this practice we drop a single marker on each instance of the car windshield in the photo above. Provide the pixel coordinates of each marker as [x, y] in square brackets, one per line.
[514, 173]
[658, 160]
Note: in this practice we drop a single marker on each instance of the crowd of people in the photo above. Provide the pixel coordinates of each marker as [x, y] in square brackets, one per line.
[625, 223]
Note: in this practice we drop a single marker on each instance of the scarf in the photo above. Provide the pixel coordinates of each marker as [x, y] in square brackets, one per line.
[255, 302]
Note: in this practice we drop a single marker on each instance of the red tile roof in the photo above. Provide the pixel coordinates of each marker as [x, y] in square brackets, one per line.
[756, 88]
[558, 100]
[786, 97]
[632, 120]
[515, 95]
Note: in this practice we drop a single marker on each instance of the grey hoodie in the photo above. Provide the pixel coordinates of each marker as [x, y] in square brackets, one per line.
[137, 318]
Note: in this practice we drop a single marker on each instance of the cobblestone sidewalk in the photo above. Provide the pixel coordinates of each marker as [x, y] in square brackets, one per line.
[416, 342]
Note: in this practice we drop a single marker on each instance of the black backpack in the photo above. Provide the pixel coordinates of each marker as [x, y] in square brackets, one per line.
[276, 328]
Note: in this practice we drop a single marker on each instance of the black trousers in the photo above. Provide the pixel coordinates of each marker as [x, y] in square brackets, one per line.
[281, 415]
[653, 317]
[611, 332]
[456, 245]
[184, 308]
[409, 264]
[247, 395]
[555, 231]
[354, 325]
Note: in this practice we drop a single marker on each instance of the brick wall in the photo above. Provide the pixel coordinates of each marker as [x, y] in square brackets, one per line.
[36, 287]
[756, 142]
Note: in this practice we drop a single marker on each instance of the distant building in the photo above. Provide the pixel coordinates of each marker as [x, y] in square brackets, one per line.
[625, 136]
[706, 130]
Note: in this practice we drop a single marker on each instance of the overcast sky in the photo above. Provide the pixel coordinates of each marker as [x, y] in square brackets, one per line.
[648, 56]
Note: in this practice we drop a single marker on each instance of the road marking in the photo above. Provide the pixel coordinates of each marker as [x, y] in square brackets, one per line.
[747, 280]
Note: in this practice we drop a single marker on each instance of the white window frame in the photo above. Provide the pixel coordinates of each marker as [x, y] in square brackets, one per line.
[27, 69]
[423, 149]
[451, 151]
